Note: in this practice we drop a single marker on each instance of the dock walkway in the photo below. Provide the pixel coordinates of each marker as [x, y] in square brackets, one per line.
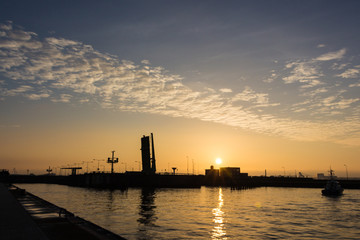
[15, 222]
[26, 216]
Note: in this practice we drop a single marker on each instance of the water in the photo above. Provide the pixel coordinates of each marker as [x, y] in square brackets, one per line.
[212, 213]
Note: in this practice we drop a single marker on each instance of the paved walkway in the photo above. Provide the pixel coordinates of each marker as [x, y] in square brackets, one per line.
[26, 216]
[15, 222]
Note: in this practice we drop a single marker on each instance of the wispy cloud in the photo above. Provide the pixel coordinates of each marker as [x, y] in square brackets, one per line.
[64, 98]
[225, 90]
[249, 95]
[332, 55]
[35, 96]
[61, 70]
[305, 72]
[355, 85]
[351, 72]
[308, 72]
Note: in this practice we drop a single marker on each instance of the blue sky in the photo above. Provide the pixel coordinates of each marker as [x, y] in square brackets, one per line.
[279, 68]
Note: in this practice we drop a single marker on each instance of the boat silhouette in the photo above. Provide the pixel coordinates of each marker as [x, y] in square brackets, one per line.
[332, 187]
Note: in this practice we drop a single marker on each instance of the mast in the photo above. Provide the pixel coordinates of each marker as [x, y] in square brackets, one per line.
[153, 163]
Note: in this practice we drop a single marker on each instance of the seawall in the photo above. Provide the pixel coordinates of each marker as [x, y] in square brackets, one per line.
[121, 180]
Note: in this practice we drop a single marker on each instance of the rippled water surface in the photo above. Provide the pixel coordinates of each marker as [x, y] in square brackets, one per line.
[212, 213]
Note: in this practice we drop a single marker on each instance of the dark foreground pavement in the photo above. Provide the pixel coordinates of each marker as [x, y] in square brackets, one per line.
[26, 216]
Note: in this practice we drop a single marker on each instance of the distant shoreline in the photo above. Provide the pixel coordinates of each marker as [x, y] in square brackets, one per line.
[136, 179]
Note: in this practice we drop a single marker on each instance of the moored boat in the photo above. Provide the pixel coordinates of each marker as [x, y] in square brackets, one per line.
[333, 187]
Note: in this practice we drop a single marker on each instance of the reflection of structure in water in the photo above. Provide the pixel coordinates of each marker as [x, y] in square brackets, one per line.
[147, 207]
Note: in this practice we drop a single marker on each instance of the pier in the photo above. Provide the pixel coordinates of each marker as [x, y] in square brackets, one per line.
[26, 216]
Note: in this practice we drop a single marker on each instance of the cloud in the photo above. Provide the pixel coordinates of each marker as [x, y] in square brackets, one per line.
[355, 85]
[325, 105]
[337, 66]
[64, 98]
[64, 71]
[321, 45]
[332, 55]
[315, 92]
[34, 96]
[304, 72]
[351, 73]
[333, 103]
[310, 73]
[271, 78]
[225, 90]
[249, 95]
[17, 91]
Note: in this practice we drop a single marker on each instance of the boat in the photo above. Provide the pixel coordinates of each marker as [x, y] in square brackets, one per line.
[333, 187]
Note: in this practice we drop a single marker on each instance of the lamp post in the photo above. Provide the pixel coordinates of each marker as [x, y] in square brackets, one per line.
[103, 166]
[284, 171]
[98, 160]
[139, 164]
[187, 165]
[347, 175]
[125, 165]
[87, 165]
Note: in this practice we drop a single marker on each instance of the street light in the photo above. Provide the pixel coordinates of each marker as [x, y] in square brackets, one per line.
[139, 164]
[87, 165]
[125, 165]
[98, 160]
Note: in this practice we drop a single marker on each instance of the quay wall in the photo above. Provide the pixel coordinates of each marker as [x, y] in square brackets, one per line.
[121, 180]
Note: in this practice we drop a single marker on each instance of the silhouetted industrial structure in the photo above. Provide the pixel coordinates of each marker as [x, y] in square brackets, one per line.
[231, 172]
[148, 158]
[225, 176]
[73, 169]
[113, 160]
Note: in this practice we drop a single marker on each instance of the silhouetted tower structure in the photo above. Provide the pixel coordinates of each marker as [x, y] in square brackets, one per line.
[49, 170]
[148, 159]
[73, 169]
[113, 160]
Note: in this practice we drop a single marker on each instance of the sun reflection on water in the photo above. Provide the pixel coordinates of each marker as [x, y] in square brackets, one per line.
[218, 231]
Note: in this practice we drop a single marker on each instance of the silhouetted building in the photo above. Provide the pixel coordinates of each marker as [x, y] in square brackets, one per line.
[226, 176]
[148, 160]
[212, 172]
[231, 172]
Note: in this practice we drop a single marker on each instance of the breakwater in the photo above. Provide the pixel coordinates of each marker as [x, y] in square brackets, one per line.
[126, 180]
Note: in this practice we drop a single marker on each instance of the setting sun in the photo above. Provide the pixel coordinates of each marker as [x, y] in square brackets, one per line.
[218, 161]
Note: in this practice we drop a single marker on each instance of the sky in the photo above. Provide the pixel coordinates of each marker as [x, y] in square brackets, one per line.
[269, 85]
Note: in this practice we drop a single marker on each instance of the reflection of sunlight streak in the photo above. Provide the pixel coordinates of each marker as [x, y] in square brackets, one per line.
[218, 231]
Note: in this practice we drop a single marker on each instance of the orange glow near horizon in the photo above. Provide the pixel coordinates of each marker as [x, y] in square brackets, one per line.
[189, 145]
